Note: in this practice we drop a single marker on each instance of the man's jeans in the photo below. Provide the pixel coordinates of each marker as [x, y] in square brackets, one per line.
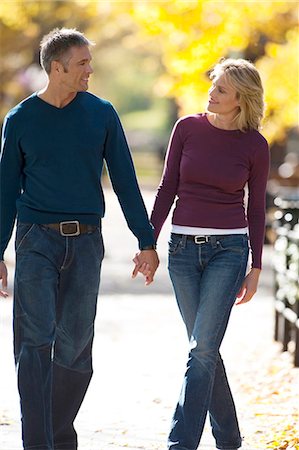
[56, 288]
[206, 279]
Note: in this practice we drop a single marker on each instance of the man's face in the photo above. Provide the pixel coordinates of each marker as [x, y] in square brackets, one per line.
[74, 77]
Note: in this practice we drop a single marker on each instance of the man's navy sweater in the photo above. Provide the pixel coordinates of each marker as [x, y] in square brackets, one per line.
[51, 165]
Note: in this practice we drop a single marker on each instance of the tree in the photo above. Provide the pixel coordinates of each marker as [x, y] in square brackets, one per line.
[189, 37]
[194, 35]
[22, 24]
[119, 61]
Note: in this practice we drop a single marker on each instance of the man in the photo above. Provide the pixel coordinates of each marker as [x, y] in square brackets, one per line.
[53, 147]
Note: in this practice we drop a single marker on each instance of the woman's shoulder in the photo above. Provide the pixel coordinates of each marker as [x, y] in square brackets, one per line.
[258, 140]
[191, 120]
[257, 135]
[258, 148]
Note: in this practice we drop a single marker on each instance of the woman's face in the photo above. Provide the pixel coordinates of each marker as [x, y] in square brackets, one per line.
[223, 97]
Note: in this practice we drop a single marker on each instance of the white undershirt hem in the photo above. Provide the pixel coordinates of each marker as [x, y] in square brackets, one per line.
[193, 231]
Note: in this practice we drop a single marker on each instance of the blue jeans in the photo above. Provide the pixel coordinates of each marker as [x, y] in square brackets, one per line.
[55, 296]
[206, 279]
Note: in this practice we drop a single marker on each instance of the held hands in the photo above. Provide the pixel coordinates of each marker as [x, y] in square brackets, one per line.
[3, 277]
[146, 262]
[249, 287]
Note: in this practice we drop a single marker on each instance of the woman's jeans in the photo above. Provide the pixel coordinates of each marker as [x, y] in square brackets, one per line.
[206, 278]
[56, 288]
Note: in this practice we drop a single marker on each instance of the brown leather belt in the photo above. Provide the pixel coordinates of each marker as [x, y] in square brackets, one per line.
[71, 228]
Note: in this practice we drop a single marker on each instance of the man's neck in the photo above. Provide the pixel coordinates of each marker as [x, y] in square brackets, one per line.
[55, 96]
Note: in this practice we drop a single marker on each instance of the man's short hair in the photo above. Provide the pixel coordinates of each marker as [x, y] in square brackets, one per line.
[55, 46]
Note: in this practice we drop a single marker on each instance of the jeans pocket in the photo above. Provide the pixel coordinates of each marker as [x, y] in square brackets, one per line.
[235, 244]
[174, 244]
[22, 233]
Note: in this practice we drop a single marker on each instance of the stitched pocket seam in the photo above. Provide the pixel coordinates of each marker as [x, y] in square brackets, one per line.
[24, 237]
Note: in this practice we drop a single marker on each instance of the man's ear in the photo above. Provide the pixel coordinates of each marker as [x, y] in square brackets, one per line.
[56, 67]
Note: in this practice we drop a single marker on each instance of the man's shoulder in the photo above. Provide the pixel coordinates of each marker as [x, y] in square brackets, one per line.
[22, 107]
[90, 99]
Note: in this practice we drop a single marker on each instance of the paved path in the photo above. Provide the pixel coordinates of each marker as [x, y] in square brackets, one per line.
[139, 351]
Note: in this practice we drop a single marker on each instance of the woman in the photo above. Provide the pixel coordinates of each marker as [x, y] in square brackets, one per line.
[210, 159]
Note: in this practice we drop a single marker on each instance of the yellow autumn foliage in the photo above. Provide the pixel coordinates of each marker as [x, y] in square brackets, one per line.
[279, 68]
[18, 14]
[189, 36]
[194, 35]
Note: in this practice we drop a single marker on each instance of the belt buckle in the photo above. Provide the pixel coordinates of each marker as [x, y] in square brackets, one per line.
[73, 222]
[200, 239]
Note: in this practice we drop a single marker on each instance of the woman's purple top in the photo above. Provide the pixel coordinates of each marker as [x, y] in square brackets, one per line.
[207, 169]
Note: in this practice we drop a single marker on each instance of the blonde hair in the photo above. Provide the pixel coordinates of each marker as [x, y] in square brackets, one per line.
[245, 79]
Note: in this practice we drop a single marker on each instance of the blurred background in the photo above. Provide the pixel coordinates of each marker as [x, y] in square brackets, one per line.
[151, 61]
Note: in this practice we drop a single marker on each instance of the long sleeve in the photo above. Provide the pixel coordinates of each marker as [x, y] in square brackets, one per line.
[257, 202]
[123, 178]
[11, 162]
[207, 168]
[167, 189]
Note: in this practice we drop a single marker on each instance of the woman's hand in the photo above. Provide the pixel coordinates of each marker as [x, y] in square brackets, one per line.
[3, 277]
[249, 286]
[146, 262]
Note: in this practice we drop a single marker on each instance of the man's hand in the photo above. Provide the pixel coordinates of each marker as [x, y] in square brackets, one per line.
[3, 277]
[249, 287]
[146, 262]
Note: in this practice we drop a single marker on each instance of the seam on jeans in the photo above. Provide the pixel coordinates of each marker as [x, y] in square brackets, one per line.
[66, 253]
[70, 445]
[244, 257]
[175, 249]
[235, 447]
[238, 279]
[231, 446]
[234, 248]
[183, 242]
[34, 447]
[24, 237]
[71, 369]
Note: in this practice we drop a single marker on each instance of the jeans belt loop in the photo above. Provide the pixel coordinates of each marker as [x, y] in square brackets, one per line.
[214, 241]
[183, 241]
